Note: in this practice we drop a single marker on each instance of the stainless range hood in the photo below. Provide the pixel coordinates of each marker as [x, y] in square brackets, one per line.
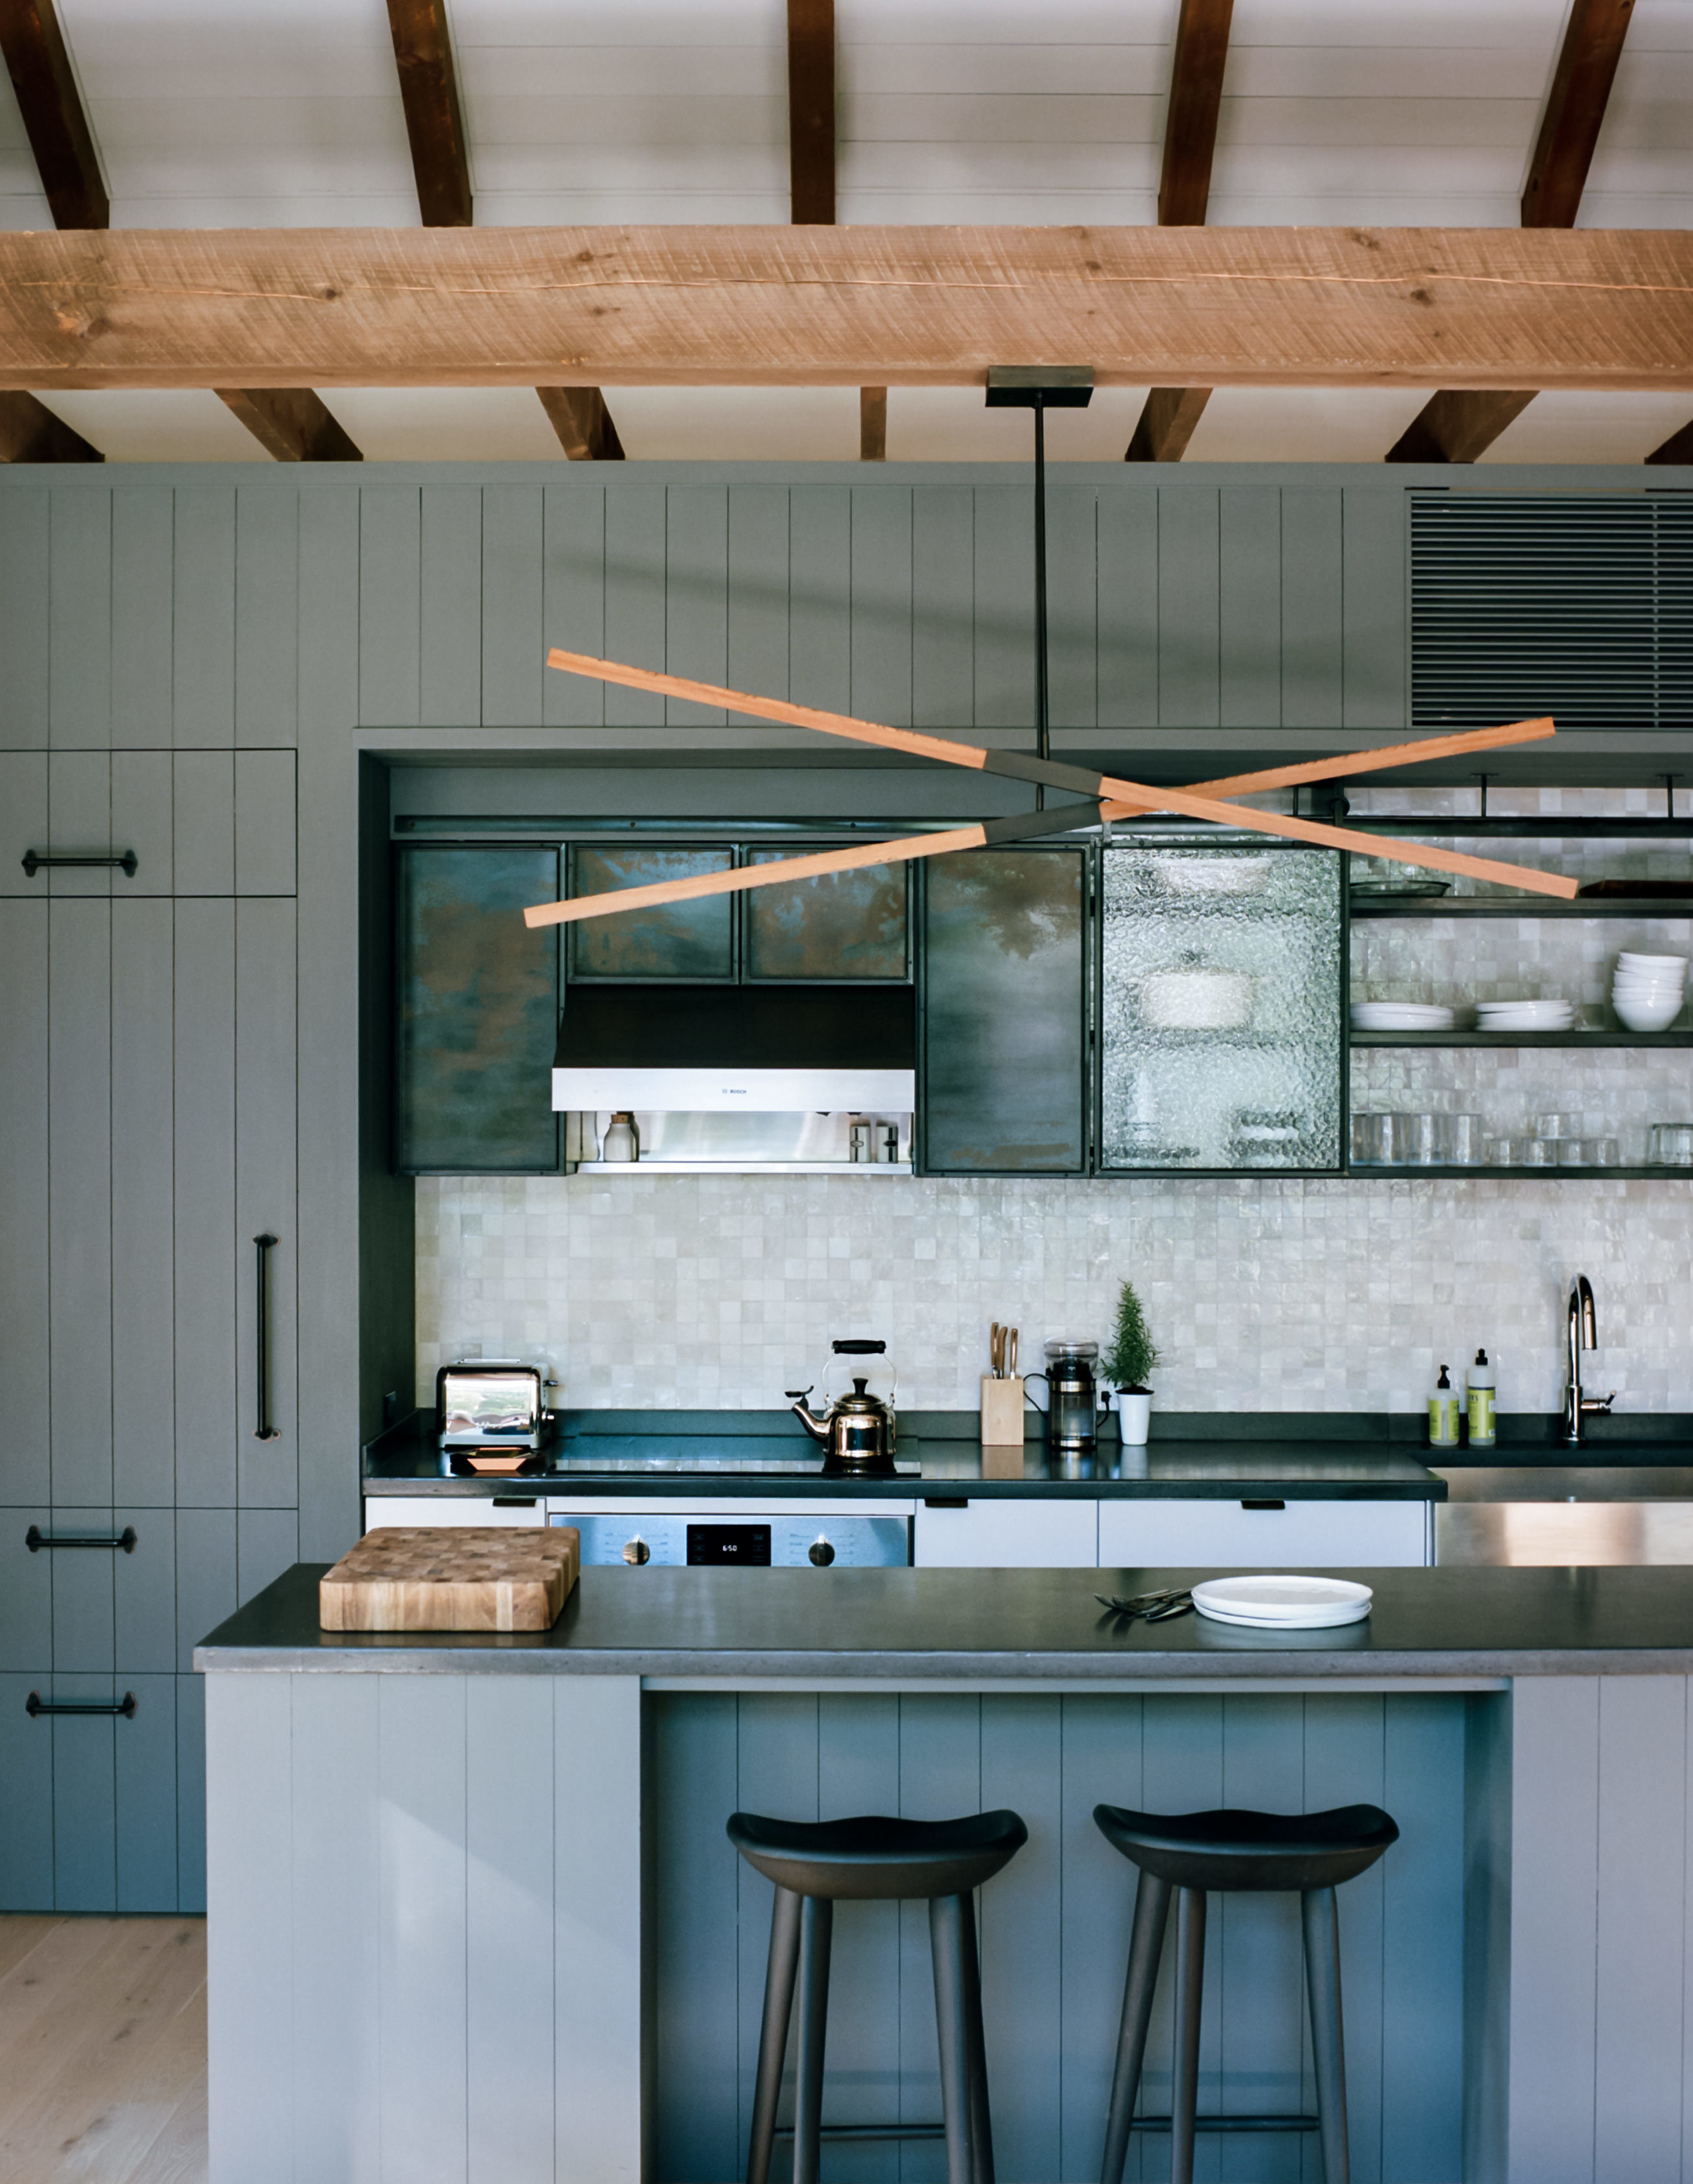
[784, 1051]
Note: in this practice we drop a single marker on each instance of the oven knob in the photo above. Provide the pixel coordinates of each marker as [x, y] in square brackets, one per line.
[821, 1552]
[636, 1550]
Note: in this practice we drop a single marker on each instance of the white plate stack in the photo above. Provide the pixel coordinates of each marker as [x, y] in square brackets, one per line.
[1647, 991]
[1278, 1602]
[1402, 1015]
[1524, 1016]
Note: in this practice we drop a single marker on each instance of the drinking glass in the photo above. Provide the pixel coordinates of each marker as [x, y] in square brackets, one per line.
[1671, 1144]
[1575, 1152]
[1505, 1152]
[1558, 1126]
[1419, 1139]
[1540, 1152]
[1605, 1152]
[1461, 1140]
[1371, 1140]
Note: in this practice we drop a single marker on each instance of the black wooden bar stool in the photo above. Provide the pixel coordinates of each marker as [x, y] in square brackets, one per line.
[815, 1865]
[1193, 1852]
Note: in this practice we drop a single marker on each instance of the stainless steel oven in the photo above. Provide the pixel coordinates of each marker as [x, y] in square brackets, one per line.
[670, 1532]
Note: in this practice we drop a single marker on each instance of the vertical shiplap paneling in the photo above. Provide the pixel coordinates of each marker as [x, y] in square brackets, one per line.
[191, 1793]
[267, 1542]
[1072, 554]
[1487, 1937]
[79, 1200]
[203, 617]
[1423, 2050]
[635, 598]
[332, 1873]
[26, 534]
[1189, 574]
[79, 813]
[597, 2005]
[1554, 1929]
[390, 594]
[450, 586]
[207, 1591]
[80, 620]
[144, 1591]
[1004, 577]
[25, 1797]
[145, 1795]
[25, 1590]
[253, 1833]
[85, 1797]
[26, 1261]
[820, 597]
[1021, 1943]
[143, 819]
[757, 587]
[83, 1602]
[882, 604]
[1642, 1937]
[1250, 582]
[514, 654]
[858, 1771]
[776, 1750]
[265, 823]
[698, 1922]
[1312, 647]
[1128, 607]
[143, 617]
[1375, 627]
[696, 596]
[1345, 1764]
[942, 607]
[1259, 2002]
[424, 2090]
[940, 1777]
[203, 822]
[267, 615]
[23, 819]
[1184, 1764]
[206, 1263]
[573, 599]
[266, 1197]
[1100, 1765]
[143, 1168]
[509, 1952]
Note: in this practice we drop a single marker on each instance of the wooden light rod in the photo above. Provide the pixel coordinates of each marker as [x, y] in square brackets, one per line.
[1116, 798]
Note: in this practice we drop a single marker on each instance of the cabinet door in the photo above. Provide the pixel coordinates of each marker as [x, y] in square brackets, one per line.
[839, 925]
[451, 1509]
[1206, 1534]
[1004, 993]
[1007, 1535]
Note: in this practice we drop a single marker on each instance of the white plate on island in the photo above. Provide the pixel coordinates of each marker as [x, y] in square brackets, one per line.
[1279, 1602]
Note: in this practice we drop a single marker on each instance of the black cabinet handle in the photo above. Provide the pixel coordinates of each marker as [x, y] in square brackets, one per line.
[35, 859]
[1263, 1505]
[35, 1538]
[264, 1430]
[36, 1704]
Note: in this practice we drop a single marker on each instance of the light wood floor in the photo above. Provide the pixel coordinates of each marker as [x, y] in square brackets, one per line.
[103, 2050]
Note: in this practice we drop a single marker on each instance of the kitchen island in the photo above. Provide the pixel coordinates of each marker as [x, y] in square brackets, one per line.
[473, 1913]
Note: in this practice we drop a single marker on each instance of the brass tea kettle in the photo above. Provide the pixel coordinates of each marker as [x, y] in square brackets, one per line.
[857, 1430]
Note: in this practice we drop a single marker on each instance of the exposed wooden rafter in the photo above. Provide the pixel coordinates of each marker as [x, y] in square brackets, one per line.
[1459, 425]
[1591, 308]
[30, 433]
[291, 423]
[52, 109]
[579, 416]
[1168, 422]
[434, 121]
[811, 112]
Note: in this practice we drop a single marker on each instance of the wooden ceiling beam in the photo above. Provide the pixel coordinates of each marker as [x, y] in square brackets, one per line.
[1168, 420]
[434, 119]
[30, 433]
[811, 112]
[579, 416]
[1467, 420]
[1493, 308]
[52, 109]
[292, 424]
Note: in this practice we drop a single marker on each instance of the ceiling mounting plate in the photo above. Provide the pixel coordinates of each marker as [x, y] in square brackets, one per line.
[1052, 386]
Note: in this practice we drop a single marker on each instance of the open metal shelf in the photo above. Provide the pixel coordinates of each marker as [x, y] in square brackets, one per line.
[1569, 1038]
[1407, 1172]
[1520, 905]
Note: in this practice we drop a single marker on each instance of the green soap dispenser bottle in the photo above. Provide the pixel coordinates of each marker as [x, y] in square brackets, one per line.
[1480, 1380]
[1443, 1413]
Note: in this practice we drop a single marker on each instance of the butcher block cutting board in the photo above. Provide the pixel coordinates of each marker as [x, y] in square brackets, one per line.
[426, 1576]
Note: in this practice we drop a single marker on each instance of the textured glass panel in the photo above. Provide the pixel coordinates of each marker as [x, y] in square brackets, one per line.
[478, 1011]
[1003, 1028]
[676, 940]
[842, 925]
[1221, 1005]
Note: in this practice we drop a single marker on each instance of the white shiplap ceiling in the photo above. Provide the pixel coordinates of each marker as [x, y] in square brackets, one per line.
[1400, 113]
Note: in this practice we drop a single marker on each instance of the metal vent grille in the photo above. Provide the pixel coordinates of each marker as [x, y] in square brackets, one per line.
[1576, 604]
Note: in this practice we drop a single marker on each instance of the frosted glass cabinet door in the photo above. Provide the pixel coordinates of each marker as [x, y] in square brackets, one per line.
[1220, 1042]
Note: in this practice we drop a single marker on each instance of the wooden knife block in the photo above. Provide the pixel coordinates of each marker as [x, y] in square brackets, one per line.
[1002, 1427]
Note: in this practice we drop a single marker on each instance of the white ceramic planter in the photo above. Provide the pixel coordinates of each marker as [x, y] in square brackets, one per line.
[1134, 1419]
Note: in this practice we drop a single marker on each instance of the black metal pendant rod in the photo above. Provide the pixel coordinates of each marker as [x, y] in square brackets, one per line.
[1042, 718]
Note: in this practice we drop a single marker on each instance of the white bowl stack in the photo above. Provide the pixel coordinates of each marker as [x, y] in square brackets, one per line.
[1647, 991]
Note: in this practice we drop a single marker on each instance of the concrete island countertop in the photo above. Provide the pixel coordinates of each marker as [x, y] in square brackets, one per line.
[876, 1624]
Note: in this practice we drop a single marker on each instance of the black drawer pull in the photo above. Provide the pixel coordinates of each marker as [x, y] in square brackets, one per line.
[264, 1430]
[1263, 1505]
[36, 1704]
[35, 1538]
[946, 1501]
[35, 859]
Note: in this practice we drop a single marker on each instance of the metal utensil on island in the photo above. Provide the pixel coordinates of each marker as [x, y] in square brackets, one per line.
[1149, 1607]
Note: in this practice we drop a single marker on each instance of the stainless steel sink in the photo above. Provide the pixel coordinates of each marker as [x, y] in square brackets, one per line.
[1510, 1515]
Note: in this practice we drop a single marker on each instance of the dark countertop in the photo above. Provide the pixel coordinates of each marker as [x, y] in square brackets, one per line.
[990, 1624]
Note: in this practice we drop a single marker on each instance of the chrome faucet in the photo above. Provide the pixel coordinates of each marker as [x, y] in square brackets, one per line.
[1582, 1334]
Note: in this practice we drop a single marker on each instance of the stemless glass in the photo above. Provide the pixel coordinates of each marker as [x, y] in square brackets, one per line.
[1540, 1152]
[1575, 1152]
[1558, 1126]
[1371, 1140]
[1670, 1144]
[1505, 1152]
[1419, 1139]
[1460, 1140]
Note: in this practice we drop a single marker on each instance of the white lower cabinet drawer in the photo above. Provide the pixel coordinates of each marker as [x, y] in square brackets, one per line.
[452, 1509]
[1158, 1535]
[1007, 1535]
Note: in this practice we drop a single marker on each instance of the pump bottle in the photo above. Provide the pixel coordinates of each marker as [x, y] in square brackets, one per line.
[1443, 1413]
[1480, 1383]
